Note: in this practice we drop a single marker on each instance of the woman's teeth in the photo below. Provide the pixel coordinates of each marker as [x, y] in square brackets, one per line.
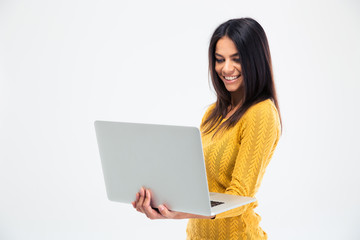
[231, 78]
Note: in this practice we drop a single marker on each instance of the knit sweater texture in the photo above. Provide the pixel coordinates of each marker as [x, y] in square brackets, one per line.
[235, 161]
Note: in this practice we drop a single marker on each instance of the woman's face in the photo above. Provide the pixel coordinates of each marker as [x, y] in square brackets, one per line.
[227, 64]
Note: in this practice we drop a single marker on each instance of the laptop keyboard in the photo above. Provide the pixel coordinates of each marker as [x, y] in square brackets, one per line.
[215, 203]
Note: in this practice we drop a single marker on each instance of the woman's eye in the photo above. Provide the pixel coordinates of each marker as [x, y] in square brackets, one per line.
[219, 60]
[237, 60]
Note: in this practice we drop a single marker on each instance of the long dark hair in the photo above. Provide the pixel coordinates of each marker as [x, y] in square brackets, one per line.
[253, 48]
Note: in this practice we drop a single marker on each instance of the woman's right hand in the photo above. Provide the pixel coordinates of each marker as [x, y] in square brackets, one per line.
[142, 204]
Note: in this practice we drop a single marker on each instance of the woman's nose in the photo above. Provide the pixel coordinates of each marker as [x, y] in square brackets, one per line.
[228, 67]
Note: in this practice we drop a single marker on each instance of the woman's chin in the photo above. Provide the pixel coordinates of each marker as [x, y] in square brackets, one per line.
[232, 88]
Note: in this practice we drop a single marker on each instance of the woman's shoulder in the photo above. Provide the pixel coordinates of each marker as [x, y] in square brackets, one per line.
[260, 107]
[263, 109]
[262, 116]
[267, 104]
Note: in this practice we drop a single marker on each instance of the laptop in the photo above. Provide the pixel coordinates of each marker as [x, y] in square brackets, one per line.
[166, 159]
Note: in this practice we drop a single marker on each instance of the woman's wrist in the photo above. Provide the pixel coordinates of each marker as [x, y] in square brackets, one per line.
[189, 215]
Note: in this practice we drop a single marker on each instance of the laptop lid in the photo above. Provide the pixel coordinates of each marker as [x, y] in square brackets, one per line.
[166, 159]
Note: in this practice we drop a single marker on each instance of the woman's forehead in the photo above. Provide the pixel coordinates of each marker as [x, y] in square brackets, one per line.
[226, 46]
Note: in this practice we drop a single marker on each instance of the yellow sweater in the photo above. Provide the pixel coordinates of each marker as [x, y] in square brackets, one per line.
[235, 164]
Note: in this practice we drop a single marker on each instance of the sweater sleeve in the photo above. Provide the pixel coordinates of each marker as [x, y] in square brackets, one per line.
[258, 137]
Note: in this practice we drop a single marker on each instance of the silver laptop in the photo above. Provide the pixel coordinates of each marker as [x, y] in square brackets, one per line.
[166, 159]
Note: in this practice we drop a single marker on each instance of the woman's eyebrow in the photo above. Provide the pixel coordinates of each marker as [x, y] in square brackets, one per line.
[234, 55]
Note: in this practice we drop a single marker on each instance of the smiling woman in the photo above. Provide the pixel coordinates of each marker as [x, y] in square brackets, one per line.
[240, 131]
[228, 65]
[228, 68]
[241, 71]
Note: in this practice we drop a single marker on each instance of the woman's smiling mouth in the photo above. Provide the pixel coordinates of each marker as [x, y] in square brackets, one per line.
[231, 78]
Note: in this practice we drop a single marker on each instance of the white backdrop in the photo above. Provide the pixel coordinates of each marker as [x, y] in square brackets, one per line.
[64, 64]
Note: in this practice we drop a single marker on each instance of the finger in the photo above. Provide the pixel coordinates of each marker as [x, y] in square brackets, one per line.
[142, 196]
[141, 199]
[146, 205]
[136, 200]
[139, 206]
[137, 197]
[147, 200]
[164, 211]
[149, 211]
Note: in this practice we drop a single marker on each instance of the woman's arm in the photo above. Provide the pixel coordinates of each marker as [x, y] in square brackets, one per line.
[142, 204]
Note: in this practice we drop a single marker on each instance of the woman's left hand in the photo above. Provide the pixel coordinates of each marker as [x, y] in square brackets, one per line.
[142, 204]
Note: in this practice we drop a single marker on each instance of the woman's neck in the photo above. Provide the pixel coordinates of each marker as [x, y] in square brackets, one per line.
[237, 98]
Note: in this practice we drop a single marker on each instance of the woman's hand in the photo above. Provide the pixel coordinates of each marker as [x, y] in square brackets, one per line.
[142, 204]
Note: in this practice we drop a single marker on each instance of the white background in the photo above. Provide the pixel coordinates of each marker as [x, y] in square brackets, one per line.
[64, 64]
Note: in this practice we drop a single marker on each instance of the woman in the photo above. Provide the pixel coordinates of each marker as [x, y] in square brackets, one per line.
[239, 131]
